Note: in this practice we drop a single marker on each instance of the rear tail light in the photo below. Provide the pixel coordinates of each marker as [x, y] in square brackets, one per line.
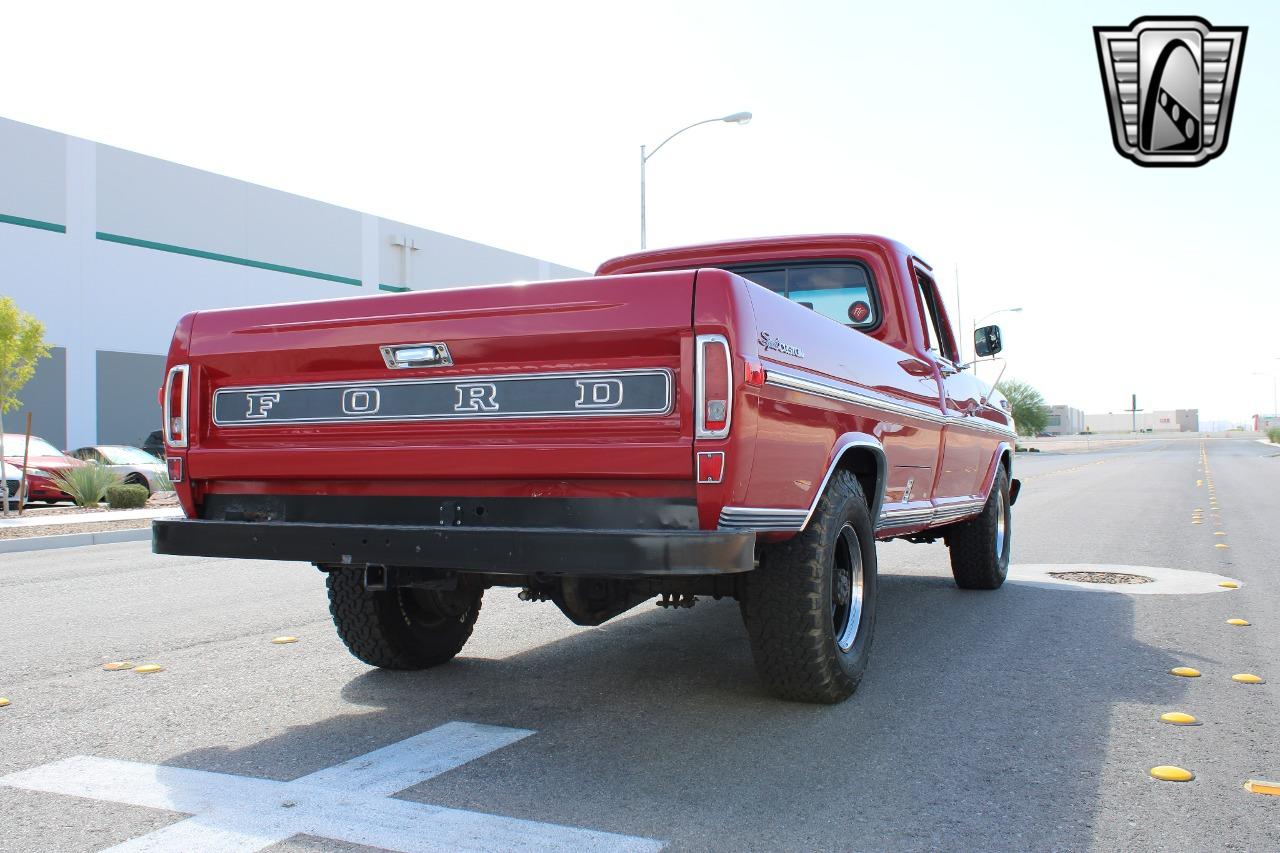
[175, 469]
[176, 393]
[714, 387]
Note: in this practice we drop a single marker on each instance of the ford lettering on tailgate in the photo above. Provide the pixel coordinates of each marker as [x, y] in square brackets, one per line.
[619, 392]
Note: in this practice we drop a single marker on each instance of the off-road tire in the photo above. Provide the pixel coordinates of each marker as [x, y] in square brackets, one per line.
[979, 556]
[787, 603]
[400, 628]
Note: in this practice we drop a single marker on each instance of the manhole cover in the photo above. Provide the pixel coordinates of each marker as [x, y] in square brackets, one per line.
[1099, 577]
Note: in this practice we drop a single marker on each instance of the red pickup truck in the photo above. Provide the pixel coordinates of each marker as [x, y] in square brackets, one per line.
[741, 419]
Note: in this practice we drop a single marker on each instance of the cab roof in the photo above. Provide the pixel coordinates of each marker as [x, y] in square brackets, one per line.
[755, 250]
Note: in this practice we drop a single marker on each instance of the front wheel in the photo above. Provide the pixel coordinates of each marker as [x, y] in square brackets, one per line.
[810, 606]
[980, 546]
[401, 627]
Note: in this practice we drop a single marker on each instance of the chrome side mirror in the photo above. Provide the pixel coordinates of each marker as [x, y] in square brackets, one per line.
[986, 341]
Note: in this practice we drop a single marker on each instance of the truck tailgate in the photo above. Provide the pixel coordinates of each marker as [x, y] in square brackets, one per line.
[549, 380]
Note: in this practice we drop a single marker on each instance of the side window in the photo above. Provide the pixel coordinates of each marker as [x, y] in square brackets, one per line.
[935, 336]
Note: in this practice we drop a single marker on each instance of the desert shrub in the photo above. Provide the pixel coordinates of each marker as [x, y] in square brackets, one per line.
[129, 496]
[161, 482]
[86, 484]
[1273, 435]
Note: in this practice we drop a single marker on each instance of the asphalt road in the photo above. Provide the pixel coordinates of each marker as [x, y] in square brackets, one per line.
[1022, 719]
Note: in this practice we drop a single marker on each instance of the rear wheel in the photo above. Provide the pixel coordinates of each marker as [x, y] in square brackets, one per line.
[980, 547]
[810, 606]
[400, 628]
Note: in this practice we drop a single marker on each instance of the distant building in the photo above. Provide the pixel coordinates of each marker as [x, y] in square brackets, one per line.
[1169, 420]
[1064, 420]
[109, 248]
[1262, 423]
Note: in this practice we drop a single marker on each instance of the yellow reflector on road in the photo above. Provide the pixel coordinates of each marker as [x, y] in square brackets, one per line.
[1258, 786]
[1240, 622]
[1185, 672]
[117, 665]
[148, 667]
[1169, 773]
[3, 701]
[1220, 545]
[1178, 718]
[1229, 584]
[280, 641]
[1246, 678]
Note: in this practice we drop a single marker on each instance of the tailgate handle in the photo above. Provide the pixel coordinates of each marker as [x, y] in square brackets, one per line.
[401, 356]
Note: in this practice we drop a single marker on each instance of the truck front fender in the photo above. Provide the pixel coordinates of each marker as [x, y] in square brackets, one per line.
[1003, 455]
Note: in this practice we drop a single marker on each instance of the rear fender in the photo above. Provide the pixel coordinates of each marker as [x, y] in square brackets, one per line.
[862, 455]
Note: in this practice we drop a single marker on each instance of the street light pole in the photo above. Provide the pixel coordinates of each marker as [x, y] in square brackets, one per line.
[643, 160]
[734, 118]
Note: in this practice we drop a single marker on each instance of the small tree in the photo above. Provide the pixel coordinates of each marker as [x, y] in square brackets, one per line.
[21, 346]
[1030, 414]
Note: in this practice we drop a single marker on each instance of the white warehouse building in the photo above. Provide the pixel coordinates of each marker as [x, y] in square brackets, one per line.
[108, 248]
[1166, 420]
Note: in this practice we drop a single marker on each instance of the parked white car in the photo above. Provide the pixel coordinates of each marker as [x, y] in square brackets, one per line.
[133, 464]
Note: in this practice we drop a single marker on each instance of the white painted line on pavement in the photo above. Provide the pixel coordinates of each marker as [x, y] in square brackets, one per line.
[402, 765]
[347, 802]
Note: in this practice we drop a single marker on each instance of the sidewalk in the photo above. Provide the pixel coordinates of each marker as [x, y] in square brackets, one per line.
[71, 530]
[89, 517]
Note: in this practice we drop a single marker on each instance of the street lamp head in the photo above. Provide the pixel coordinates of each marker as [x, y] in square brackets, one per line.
[738, 118]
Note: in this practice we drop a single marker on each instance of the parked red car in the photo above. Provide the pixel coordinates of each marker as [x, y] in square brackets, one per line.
[43, 460]
[737, 420]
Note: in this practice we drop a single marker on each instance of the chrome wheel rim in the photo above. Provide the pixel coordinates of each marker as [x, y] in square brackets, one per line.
[1002, 524]
[846, 587]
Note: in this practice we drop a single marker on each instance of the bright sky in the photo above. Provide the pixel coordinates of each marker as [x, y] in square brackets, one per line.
[974, 132]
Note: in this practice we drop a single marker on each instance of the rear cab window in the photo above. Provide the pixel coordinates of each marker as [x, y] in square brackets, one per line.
[841, 290]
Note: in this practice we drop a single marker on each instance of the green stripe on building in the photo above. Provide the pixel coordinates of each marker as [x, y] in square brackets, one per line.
[33, 223]
[393, 288]
[226, 259]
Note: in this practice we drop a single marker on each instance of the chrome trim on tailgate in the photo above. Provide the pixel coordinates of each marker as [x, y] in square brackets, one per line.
[596, 393]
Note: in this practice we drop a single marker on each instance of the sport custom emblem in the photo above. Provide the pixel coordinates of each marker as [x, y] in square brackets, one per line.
[1170, 85]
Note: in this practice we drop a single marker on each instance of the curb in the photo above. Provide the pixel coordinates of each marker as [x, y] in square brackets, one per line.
[74, 540]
